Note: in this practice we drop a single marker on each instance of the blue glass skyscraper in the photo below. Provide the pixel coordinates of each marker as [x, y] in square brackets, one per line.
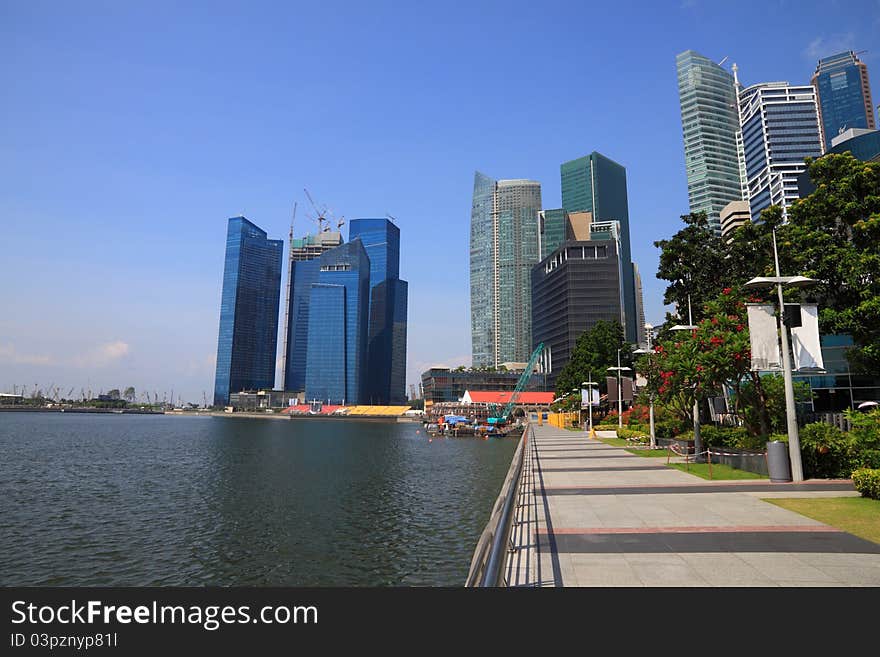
[248, 311]
[386, 342]
[844, 95]
[339, 302]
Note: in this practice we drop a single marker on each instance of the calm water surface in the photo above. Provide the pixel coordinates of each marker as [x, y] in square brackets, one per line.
[175, 501]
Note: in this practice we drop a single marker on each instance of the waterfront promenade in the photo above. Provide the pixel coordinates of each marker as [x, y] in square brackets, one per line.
[590, 514]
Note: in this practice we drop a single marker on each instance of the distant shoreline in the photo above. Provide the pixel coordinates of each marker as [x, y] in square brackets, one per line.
[241, 414]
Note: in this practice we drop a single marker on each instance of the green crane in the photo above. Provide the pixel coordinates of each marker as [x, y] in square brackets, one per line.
[501, 417]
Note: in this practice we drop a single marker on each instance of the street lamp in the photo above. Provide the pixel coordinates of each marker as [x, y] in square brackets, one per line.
[619, 392]
[590, 385]
[649, 331]
[794, 446]
[698, 443]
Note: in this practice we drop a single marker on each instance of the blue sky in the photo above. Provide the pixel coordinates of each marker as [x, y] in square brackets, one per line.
[131, 131]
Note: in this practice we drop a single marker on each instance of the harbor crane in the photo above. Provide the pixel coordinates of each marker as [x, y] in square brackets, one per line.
[500, 417]
[321, 213]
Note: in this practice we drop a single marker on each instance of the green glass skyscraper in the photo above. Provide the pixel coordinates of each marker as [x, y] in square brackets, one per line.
[504, 247]
[711, 129]
[597, 184]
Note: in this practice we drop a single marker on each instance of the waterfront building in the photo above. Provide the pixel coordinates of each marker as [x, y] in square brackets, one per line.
[734, 215]
[302, 271]
[339, 304]
[386, 341]
[780, 126]
[442, 384]
[711, 129]
[844, 95]
[248, 335]
[503, 248]
[573, 288]
[597, 185]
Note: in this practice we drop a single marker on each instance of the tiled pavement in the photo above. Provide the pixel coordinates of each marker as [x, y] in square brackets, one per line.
[594, 515]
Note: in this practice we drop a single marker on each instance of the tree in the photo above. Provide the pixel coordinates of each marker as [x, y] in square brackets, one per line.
[129, 394]
[113, 394]
[594, 352]
[833, 236]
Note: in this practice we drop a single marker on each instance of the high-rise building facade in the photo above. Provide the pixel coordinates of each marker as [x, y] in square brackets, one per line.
[780, 128]
[844, 95]
[597, 184]
[640, 306]
[503, 249]
[339, 304]
[734, 215]
[248, 334]
[386, 342]
[710, 126]
[574, 287]
[302, 271]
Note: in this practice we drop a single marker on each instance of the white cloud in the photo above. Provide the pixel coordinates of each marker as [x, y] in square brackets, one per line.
[8, 354]
[823, 46]
[102, 355]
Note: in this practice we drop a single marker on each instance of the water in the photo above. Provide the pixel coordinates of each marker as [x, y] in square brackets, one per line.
[133, 500]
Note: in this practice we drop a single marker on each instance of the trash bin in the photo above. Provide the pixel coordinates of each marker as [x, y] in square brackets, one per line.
[778, 463]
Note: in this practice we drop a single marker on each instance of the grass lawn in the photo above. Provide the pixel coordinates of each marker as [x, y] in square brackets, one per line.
[660, 451]
[718, 471]
[857, 515]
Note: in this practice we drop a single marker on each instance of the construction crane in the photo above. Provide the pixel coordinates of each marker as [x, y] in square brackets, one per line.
[69, 393]
[501, 418]
[321, 213]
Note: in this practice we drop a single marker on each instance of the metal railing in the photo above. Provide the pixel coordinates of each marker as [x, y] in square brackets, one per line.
[490, 555]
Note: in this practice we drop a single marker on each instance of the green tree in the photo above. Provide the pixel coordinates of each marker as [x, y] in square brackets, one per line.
[594, 352]
[129, 394]
[833, 236]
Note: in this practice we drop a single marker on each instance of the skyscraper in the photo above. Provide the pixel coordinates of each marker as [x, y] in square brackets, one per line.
[339, 303]
[780, 127]
[248, 311]
[844, 93]
[597, 184]
[386, 342]
[302, 271]
[710, 126]
[503, 249]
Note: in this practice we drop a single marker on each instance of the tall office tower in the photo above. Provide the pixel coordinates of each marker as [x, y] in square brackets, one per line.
[552, 230]
[841, 83]
[339, 301]
[780, 125]
[302, 271]
[710, 125]
[248, 311]
[386, 342]
[574, 287]
[503, 249]
[597, 184]
[640, 306]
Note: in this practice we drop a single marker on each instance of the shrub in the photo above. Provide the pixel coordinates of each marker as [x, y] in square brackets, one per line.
[865, 431]
[667, 428]
[713, 436]
[630, 433]
[867, 482]
[825, 451]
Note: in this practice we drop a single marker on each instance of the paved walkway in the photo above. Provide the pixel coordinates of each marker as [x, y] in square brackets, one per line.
[594, 515]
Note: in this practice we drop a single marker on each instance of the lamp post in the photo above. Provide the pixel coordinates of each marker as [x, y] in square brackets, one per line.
[794, 446]
[698, 443]
[649, 331]
[590, 385]
[619, 391]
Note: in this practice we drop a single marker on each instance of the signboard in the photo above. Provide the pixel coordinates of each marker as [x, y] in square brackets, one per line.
[587, 394]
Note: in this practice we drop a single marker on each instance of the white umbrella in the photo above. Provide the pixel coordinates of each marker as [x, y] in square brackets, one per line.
[868, 404]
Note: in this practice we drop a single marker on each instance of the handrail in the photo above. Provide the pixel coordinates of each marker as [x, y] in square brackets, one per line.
[490, 554]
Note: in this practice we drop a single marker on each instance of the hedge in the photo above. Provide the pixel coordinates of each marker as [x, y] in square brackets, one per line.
[867, 482]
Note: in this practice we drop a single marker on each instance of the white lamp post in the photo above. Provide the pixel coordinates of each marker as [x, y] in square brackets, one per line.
[590, 385]
[619, 391]
[794, 446]
[649, 350]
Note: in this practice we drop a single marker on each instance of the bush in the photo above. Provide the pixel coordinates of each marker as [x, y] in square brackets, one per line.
[632, 434]
[667, 428]
[867, 482]
[825, 451]
[713, 436]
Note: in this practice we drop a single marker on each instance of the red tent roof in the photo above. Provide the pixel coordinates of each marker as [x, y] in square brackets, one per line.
[503, 397]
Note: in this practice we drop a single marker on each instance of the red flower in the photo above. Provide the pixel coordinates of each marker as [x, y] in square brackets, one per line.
[717, 340]
[715, 321]
[740, 327]
[727, 290]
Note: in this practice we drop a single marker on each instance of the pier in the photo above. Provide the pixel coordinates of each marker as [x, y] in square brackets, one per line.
[575, 511]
